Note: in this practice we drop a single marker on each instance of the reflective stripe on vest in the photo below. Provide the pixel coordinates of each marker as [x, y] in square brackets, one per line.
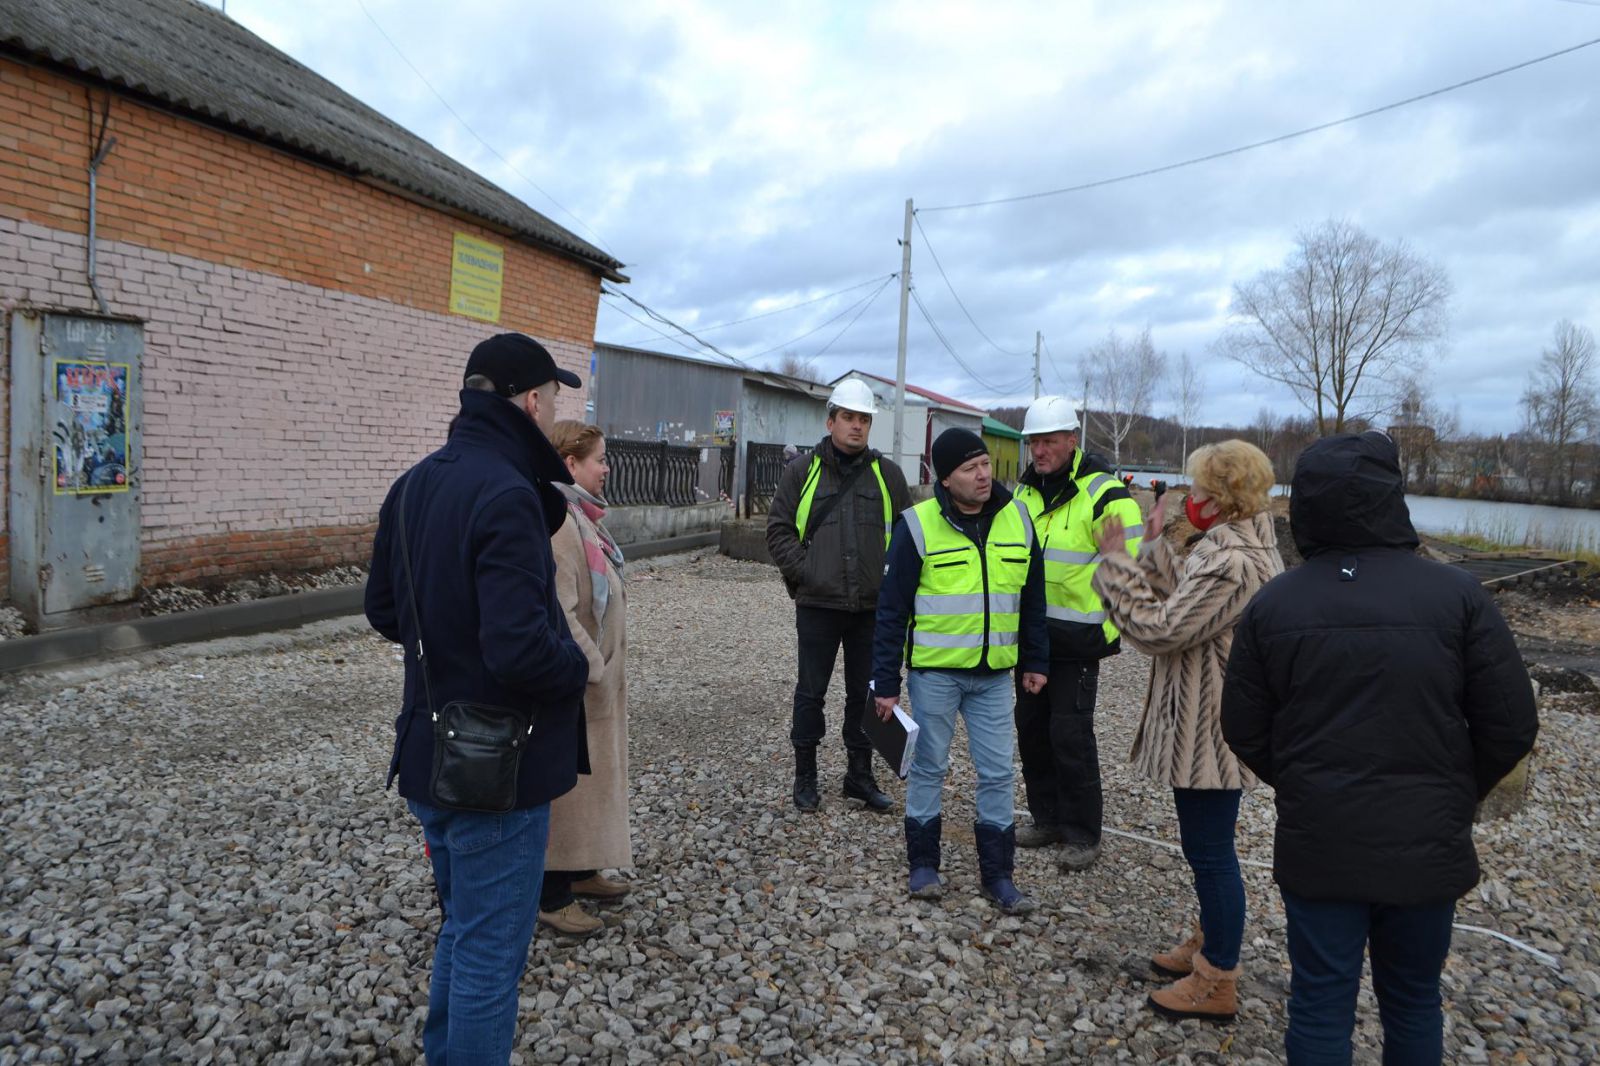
[968, 604]
[1071, 554]
[802, 512]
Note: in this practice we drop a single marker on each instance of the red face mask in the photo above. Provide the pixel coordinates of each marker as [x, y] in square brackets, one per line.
[1192, 511]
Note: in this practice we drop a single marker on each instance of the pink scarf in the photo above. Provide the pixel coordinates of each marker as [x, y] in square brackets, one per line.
[599, 549]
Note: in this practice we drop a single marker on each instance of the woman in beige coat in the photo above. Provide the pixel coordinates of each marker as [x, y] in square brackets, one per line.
[589, 825]
[1182, 614]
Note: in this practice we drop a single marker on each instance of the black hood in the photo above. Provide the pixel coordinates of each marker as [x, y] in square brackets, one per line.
[1348, 493]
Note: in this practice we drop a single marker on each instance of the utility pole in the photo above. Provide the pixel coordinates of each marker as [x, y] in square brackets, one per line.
[1038, 337]
[900, 361]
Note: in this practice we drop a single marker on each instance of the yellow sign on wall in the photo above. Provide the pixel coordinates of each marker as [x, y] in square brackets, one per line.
[477, 274]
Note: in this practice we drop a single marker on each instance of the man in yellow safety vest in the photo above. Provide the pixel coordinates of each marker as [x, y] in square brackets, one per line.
[966, 578]
[827, 529]
[1069, 493]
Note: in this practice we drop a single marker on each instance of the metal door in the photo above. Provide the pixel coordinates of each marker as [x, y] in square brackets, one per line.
[83, 518]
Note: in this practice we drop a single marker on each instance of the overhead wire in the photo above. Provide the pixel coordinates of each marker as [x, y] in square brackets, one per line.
[948, 347]
[794, 306]
[875, 294]
[817, 329]
[1270, 140]
[929, 243]
[468, 127]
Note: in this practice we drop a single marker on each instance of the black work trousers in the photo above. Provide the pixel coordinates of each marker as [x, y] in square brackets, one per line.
[1060, 760]
[822, 632]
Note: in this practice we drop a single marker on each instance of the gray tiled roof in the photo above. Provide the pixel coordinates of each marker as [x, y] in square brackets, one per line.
[192, 58]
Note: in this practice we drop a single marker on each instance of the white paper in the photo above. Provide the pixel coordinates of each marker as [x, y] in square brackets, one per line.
[912, 729]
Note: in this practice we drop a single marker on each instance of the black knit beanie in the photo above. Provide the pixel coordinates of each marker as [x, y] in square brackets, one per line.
[954, 447]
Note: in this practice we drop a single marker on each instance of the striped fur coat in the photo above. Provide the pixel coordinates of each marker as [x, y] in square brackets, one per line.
[1182, 614]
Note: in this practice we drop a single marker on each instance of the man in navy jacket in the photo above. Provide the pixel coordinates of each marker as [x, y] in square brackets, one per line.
[478, 518]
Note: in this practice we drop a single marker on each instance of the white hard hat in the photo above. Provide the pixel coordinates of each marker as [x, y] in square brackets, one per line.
[1050, 414]
[853, 394]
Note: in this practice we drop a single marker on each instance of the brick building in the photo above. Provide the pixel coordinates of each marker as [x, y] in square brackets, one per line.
[301, 276]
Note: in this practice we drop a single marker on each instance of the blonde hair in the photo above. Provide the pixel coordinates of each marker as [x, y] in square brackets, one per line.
[574, 439]
[1236, 474]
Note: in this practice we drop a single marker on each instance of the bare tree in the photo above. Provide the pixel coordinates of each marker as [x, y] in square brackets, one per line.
[1187, 392]
[1340, 321]
[790, 364]
[1559, 405]
[1265, 428]
[1122, 378]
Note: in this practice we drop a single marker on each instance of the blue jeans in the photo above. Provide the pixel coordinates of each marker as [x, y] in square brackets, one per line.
[487, 868]
[1326, 942]
[1206, 820]
[984, 701]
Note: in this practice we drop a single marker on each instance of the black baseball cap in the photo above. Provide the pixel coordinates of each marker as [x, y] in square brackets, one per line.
[516, 363]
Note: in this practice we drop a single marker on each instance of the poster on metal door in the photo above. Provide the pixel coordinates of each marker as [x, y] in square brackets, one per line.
[91, 428]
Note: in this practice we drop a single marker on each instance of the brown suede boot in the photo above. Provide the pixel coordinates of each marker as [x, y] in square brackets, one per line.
[1209, 994]
[1179, 961]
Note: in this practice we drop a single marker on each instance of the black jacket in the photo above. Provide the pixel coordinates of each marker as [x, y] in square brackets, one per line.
[841, 564]
[898, 597]
[479, 517]
[1378, 692]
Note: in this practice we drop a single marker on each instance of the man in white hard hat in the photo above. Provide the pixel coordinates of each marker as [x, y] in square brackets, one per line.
[827, 529]
[1070, 494]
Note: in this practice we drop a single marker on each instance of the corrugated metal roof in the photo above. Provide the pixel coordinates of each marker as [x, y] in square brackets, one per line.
[927, 394]
[193, 59]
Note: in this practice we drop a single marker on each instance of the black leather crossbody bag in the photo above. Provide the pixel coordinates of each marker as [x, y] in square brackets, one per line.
[477, 747]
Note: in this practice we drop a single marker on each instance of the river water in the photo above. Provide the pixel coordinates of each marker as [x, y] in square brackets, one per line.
[1533, 525]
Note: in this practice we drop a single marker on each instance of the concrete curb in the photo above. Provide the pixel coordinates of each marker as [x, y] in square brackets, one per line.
[98, 643]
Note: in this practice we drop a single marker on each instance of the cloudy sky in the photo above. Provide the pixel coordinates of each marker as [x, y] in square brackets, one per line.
[742, 158]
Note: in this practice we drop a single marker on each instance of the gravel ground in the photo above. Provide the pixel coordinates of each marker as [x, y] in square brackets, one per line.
[201, 866]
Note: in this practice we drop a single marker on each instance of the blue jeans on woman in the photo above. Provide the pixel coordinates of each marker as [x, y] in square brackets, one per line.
[1206, 821]
[1327, 939]
[984, 701]
[487, 868]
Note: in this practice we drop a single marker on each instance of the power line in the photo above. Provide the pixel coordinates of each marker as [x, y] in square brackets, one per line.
[658, 332]
[876, 293]
[468, 127]
[952, 288]
[1052, 360]
[962, 363]
[817, 329]
[664, 320]
[794, 306]
[1269, 141]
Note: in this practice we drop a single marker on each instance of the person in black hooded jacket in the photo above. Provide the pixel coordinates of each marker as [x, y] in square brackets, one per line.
[1381, 695]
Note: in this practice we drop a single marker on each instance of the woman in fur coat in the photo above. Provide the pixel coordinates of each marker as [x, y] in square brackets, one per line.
[1182, 614]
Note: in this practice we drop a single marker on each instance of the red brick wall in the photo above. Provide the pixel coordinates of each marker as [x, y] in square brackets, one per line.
[299, 353]
[177, 186]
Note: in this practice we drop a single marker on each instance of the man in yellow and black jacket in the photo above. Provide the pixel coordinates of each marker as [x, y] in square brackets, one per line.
[962, 604]
[1070, 494]
[827, 530]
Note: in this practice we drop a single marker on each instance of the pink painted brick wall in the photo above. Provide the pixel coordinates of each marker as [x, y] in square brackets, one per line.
[270, 405]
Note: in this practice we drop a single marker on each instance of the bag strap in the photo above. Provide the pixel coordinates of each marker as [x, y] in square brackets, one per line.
[827, 506]
[416, 617]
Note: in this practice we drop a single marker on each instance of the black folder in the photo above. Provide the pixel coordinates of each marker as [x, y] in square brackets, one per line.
[895, 739]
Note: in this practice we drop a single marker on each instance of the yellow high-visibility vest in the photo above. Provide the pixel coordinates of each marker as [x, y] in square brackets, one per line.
[1071, 555]
[802, 512]
[968, 600]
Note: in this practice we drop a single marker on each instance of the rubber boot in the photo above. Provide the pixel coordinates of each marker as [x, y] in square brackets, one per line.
[997, 850]
[806, 797]
[922, 856]
[859, 785]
